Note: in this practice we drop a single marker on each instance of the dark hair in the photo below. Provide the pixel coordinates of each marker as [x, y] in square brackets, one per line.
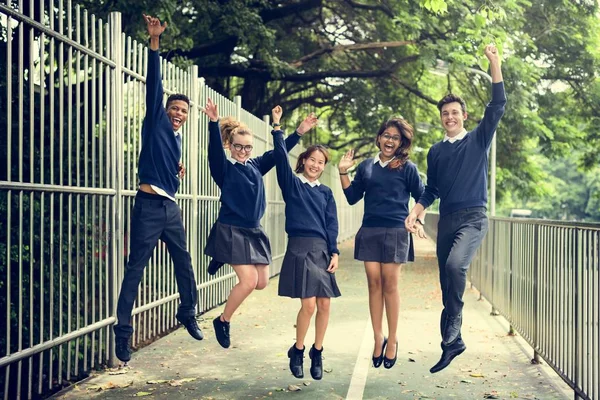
[452, 98]
[304, 155]
[406, 135]
[178, 96]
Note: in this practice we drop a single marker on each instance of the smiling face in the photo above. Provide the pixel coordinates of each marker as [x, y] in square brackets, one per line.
[314, 165]
[453, 118]
[177, 111]
[388, 142]
[241, 145]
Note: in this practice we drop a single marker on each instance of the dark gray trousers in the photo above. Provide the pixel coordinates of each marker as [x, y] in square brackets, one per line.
[152, 220]
[459, 236]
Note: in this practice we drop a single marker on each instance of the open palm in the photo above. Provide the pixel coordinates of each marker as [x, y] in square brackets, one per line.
[347, 161]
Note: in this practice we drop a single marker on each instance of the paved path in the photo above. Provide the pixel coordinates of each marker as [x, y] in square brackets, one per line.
[495, 365]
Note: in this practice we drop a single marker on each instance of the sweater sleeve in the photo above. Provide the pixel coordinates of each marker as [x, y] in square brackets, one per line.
[415, 183]
[285, 176]
[356, 190]
[491, 117]
[154, 89]
[431, 192]
[216, 155]
[332, 224]
[267, 161]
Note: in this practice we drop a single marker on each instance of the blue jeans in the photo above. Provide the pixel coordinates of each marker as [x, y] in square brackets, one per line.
[153, 218]
[459, 236]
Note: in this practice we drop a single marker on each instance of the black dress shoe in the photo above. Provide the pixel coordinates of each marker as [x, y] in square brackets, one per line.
[192, 327]
[448, 355]
[389, 362]
[296, 360]
[122, 349]
[316, 363]
[222, 332]
[214, 266]
[378, 360]
[452, 329]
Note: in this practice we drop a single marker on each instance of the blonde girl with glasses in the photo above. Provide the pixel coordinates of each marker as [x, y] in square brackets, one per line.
[237, 238]
[386, 181]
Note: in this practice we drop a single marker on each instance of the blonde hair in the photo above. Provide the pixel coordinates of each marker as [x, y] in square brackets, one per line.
[229, 127]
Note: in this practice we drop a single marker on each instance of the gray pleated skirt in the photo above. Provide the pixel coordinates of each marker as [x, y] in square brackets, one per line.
[235, 245]
[304, 270]
[384, 245]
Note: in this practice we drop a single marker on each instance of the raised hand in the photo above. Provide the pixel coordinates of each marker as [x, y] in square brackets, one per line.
[347, 161]
[491, 52]
[309, 122]
[211, 110]
[155, 29]
[276, 114]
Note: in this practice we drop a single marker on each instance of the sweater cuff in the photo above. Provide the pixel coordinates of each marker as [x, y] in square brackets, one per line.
[335, 250]
[498, 92]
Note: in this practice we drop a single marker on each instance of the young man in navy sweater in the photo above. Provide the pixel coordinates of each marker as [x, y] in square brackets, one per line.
[457, 169]
[155, 214]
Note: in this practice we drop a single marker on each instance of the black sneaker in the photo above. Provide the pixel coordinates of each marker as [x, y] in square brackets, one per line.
[316, 363]
[192, 327]
[214, 266]
[122, 349]
[296, 359]
[222, 332]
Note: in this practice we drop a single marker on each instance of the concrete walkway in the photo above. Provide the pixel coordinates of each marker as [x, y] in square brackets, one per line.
[495, 365]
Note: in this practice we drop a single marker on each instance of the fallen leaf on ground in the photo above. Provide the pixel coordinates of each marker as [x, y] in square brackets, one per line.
[306, 383]
[491, 395]
[294, 388]
[328, 370]
[109, 385]
[142, 394]
[411, 359]
[155, 382]
[477, 375]
[466, 381]
[118, 372]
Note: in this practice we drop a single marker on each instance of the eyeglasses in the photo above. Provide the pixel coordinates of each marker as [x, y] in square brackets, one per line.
[239, 147]
[385, 136]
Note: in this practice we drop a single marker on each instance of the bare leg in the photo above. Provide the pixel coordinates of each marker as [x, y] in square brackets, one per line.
[321, 321]
[303, 320]
[391, 296]
[247, 281]
[374, 282]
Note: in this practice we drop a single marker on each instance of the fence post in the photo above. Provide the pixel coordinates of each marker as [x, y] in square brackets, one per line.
[536, 330]
[194, 169]
[116, 131]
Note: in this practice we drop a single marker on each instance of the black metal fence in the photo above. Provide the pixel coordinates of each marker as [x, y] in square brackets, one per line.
[542, 276]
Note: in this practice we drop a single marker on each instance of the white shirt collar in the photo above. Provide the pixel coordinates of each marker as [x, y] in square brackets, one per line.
[456, 138]
[312, 184]
[233, 160]
[384, 164]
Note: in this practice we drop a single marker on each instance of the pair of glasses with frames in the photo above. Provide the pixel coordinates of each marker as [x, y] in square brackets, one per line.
[239, 147]
[394, 138]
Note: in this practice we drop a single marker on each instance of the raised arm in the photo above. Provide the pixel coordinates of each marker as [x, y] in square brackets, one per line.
[285, 175]
[355, 190]
[495, 109]
[154, 89]
[217, 158]
[267, 160]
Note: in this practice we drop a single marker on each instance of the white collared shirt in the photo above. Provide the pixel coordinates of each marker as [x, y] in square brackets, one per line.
[384, 164]
[456, 138]
[312, 184]
[160, 191]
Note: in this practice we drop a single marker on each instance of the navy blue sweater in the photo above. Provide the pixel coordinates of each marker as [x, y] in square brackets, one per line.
[161, 149]
[309, 211]
[386, 191]
[243, 199]
[457, 172]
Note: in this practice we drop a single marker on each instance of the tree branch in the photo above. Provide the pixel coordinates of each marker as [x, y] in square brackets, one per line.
[271, 14]
[348, 47]
[382, 7]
